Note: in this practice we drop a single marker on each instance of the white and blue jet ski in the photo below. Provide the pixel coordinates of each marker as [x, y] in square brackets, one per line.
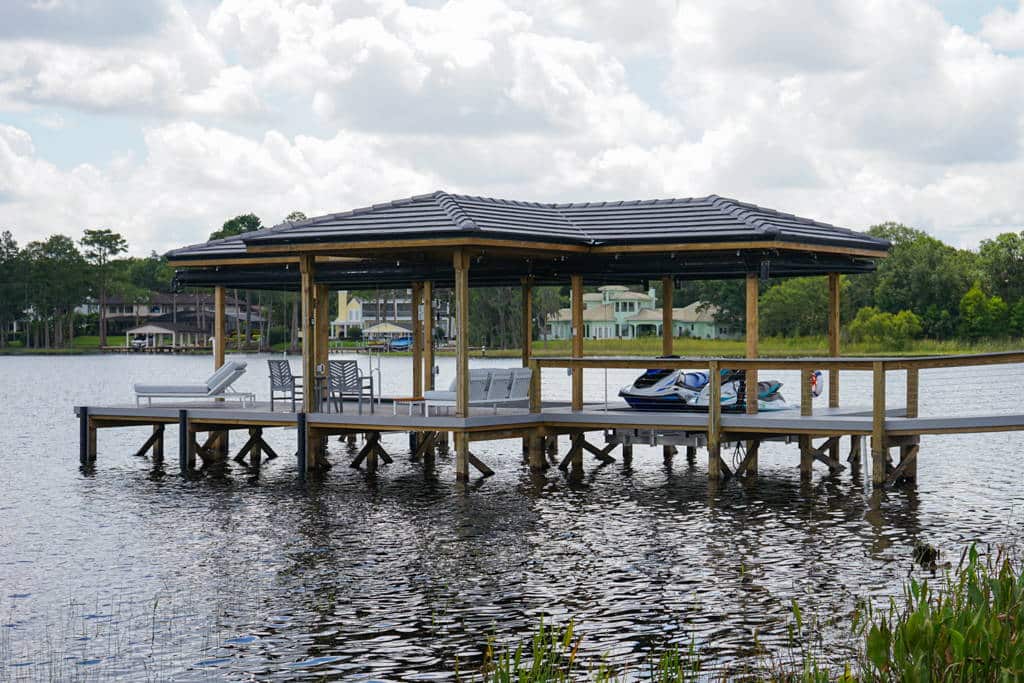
[690, 391]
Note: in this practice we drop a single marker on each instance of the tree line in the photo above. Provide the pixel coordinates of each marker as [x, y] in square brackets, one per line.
[924, 288]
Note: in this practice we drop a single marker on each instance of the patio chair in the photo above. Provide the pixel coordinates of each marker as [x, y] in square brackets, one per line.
[283, 381]
[345, 379]
[219, 385]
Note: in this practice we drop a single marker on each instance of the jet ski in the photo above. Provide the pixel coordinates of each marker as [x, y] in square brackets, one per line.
[690, 391]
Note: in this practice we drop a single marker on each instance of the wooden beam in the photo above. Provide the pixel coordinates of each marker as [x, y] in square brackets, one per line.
[322, 329]
[714, 421]
[753, 337]
[461, 457]
[461, 265]
[749, 464]
[428, 336]
[527, 285]
[220, 336]
[806, 456]
[417, 340]
[577, 340]
[834, 330]
[479, 465]
[666, 315]
[307, 272]
[879, 448]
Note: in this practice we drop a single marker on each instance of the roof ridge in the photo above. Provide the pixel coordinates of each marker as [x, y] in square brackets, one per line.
[738, 210]
[450, 205]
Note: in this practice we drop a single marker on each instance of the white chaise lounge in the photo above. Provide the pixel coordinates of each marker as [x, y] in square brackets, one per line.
[217, 386]
[492, 387]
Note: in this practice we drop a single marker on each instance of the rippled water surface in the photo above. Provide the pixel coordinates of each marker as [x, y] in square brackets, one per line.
[131, 571]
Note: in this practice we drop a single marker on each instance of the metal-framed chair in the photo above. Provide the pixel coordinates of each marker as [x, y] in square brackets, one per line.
[283, 381]
[346, 379]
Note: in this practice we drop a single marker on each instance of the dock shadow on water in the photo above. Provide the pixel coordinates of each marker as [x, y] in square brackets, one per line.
[129, 570]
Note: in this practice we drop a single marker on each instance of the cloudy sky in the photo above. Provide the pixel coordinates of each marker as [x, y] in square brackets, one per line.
[162, 118]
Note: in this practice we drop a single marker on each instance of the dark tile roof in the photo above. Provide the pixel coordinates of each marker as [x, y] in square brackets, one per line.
[440, 214]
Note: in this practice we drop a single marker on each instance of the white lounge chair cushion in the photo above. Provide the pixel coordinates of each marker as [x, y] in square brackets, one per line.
[439, 395]
[198, 389]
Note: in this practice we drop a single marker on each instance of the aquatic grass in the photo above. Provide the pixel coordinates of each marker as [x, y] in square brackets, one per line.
[969, 628]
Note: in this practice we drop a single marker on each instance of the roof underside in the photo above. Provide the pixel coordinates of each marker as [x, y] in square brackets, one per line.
[568, 238]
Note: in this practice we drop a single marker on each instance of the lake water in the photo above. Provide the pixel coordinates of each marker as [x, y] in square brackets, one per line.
[130, 571]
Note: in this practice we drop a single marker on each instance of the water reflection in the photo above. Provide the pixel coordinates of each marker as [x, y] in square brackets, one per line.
[126, 569]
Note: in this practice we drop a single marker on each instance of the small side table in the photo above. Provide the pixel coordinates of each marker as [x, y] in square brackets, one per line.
[411, 401]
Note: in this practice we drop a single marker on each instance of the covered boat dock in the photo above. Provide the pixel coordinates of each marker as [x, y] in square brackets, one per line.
[458, 241]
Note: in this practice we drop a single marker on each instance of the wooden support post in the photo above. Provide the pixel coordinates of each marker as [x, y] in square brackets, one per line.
[753, 341]
[186, 452]
[92, 440]
[666, 315]
[879, 448]
[83, 435]
[666, 337]
[461, 456]
[428, 335]
[322, 330]
[714, 421]
[749, 464]
[156, 436]
[907, 468]
[417, 340]
[220, 335]
[308, 306]
[577, 340]
[834, 330]
[461, 264]
[806, 456]
[576, 456]
[256, 451]
[536, 450]
[856, 444]
[300, 451]
[691, 455]
[158, 442]
[913, 382]
[527, 284]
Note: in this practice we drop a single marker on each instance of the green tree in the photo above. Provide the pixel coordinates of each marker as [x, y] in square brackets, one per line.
[1016, 319]
[894, 330]
[982, 315]
[246, 222]
[1002, 265]
[797, 306]
[295, 216]
[12, 284]
[100, 247]
[921, 274]
[58, 282]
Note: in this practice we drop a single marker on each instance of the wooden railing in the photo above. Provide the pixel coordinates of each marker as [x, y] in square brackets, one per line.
[879, 367]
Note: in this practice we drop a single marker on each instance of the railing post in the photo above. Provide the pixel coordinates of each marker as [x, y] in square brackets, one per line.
[714, 420]
[535, 397]
[806, 397]
[913, 379]
[879, 448]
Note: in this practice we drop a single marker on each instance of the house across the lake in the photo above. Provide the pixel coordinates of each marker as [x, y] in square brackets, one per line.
[616, 312]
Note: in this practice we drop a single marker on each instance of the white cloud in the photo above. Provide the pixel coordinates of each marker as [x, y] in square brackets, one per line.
[849, 111]
[192, 179]
[1004, 28]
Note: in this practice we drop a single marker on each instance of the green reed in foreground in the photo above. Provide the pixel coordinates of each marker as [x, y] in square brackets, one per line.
[968, 627]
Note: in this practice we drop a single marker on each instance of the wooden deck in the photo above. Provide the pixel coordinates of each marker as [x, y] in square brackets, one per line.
[620, 425]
